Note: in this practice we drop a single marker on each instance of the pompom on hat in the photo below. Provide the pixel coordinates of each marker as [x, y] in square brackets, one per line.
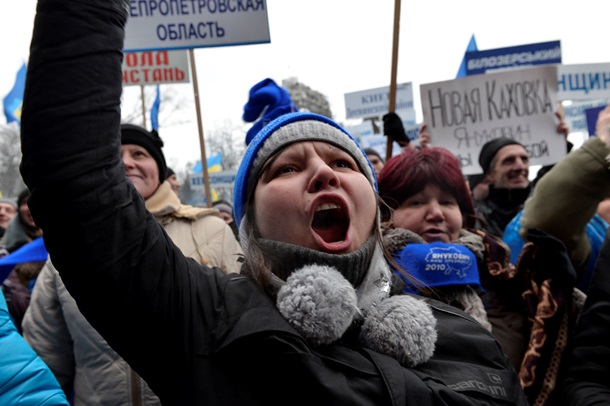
[283, 131]
[268, 101]
[491, 148]
[150, 141]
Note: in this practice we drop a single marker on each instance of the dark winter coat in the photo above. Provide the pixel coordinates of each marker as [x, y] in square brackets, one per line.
[587, 380]
[499, 208]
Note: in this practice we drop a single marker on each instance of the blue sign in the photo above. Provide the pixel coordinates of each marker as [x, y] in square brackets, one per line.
[543, 53]
[216, 179]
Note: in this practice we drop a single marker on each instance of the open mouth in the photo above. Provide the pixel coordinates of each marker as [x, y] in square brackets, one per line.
[434, 235]
[517, 175]
[330, 222]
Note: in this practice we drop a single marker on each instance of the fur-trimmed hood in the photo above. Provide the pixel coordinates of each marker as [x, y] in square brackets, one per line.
[322, 300]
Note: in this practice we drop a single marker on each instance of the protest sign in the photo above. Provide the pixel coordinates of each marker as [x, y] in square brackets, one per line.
[364, 135]
[463, 114]
[543, 53]
[217, 179]
[574, 114]
[361, 130]
[374, 103]
[583, 81]
[155, 67]
[182, 24]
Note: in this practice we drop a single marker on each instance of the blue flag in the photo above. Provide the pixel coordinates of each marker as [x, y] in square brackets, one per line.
[30, 252]
[592, 115]
[214, 164]
[154, 111]
[14, 100]
[472, 47]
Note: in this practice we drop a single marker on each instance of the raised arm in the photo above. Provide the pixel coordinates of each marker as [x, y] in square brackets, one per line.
[129, 280]
[566, 198]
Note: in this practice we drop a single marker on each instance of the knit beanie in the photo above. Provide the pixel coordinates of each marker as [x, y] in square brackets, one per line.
[283, 131]
[23, 197]
[373, 151]
[223, 207]
[150, 141]
[268, 101]
[491, 148]
[9, 200]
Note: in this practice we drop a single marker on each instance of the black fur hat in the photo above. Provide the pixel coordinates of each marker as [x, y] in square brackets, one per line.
[491, 148]
[133, 134]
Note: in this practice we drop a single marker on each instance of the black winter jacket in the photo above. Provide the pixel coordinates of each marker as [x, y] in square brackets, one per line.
[196, 335]
[587, 380]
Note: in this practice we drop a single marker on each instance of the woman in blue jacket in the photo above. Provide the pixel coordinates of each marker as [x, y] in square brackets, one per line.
[24, 378]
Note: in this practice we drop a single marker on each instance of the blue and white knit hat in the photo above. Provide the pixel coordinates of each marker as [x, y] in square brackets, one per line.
[283, 131]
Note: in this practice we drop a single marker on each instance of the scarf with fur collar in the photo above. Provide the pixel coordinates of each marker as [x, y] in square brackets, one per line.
[323, 295]
[165, 205]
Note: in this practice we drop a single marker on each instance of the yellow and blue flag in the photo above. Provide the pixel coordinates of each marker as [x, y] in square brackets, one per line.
[214, 164]
[14, 100]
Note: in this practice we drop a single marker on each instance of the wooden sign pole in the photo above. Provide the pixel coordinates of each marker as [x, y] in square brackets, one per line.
[204, 161]
[392, 101]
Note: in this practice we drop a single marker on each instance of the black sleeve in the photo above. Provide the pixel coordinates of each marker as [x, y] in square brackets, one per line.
[587, 380]
[129, 280]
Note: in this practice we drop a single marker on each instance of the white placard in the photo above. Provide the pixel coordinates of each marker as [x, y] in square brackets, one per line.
[583, 81]
[182, 24]
[359, 131]
[463, 114]
[374, 103]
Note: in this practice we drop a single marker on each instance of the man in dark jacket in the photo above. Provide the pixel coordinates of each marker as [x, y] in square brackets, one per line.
[505, 163]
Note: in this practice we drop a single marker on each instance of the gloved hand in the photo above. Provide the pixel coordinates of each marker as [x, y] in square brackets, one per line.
[393, 128]
[551, 258]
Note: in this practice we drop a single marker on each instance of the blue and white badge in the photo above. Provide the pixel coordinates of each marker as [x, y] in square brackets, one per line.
[440, 264]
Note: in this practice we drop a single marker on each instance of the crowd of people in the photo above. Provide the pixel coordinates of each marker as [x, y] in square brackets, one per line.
[334, 276]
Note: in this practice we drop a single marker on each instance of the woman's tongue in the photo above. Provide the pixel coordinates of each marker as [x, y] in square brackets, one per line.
[329, 225]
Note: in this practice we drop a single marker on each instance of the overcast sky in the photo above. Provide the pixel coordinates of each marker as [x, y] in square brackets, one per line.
[342, 46]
